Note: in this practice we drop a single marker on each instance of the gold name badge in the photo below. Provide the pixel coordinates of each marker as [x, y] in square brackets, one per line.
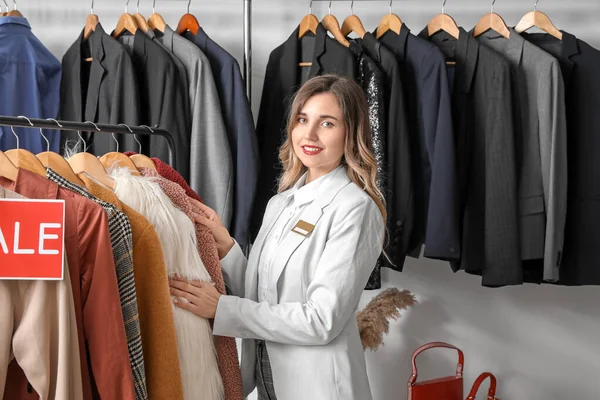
[303, 228]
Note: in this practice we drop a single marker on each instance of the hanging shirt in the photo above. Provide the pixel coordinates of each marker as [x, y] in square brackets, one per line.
[29, 85]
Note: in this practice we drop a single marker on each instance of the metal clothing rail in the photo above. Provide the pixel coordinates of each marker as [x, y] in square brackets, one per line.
[90, 127]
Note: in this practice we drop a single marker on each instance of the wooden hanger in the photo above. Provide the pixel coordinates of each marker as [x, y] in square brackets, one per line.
[308, 24]
[140, 160]
[126, 22]
[491, 21]
[140, 20]
[156, 21]
[57, 163]
[117, 159]
[331, 24]
[539, 20]
[188, 22]
[114, 158]
[390, 22]
[22, 158]
[353, 24]
[7, 168]
[14, 12]
[443, 22]
[90, 26]
[88, 163]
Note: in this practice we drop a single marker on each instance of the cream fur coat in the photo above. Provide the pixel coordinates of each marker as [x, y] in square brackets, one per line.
[200, 373]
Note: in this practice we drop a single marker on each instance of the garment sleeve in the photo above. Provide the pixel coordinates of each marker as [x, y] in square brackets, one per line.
[553, 152]
[211, 165]
[502, 251]
[352, 249]
[443, 234]
[234, 270]
[400, 201]
[102, 315]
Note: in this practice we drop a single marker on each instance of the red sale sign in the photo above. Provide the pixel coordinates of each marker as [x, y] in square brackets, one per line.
[32, 239]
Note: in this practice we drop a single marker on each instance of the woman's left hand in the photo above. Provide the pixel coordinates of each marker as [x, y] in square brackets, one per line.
[201, 298]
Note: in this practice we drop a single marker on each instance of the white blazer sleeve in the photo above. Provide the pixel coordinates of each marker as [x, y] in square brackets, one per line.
[234, 270]
[354, 244]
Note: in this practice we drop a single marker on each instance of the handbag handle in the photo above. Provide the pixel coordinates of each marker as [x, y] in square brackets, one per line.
[459, 366]
[477, 384]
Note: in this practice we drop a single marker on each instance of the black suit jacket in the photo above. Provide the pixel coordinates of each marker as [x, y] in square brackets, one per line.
[429, 115]
[162, 103]
[104, 90]
[282, 80]
[486, 159]
[579, 66]
[399, 190]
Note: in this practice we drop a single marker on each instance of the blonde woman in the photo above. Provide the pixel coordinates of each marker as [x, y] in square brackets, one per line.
[294, 300]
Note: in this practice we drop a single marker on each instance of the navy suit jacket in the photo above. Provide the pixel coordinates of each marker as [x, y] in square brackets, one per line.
[239, 124]
[429, 112]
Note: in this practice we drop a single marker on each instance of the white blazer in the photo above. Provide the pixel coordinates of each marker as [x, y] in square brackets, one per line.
[315, 284]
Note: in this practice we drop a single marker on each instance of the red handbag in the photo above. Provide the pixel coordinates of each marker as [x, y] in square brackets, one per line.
[446, 388]
[479, 381]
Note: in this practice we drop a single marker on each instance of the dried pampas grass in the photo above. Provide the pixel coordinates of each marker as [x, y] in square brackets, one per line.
[373, 320]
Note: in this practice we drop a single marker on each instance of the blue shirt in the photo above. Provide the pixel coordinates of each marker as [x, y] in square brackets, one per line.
[29, 85]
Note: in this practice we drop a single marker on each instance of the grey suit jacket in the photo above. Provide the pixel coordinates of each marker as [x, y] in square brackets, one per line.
[211, 165]
[540, 125]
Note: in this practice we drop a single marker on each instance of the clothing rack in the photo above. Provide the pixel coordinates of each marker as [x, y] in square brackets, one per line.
[90, 127]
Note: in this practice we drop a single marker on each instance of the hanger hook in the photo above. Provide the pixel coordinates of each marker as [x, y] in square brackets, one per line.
[493, 2]
[46, 139]
[189, 2]
[135, 136]
[535, 5]
[15, 133]
[14, 4]
[130, 131]
[310, 7]
[391, 6]
[444, 7]
[329, 7]
[57, 123]
[153, 4]
[352, 7]
[92, 7]
[126, 6]
[137, 7]
[81, 137]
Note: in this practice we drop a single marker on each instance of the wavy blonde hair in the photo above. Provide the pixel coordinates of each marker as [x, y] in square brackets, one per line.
[358, 158]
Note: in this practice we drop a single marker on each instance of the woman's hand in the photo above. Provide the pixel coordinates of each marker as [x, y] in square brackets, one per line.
[210, 219]
[198, 297]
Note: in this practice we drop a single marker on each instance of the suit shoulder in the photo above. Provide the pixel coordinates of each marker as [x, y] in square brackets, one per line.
[352, 196]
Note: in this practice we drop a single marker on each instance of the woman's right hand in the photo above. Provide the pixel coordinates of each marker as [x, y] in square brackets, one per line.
[210, 219]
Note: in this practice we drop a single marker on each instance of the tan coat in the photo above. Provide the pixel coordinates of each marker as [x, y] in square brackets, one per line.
[159, 341]
[39, 330]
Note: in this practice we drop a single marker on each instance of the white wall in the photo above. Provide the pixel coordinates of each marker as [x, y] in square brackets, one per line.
[542, 342]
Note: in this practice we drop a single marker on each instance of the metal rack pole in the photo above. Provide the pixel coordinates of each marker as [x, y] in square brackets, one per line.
[248, 48]
[89, 127]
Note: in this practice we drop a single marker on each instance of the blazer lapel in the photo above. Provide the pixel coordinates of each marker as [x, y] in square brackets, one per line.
[316, 67]
[96, 74]
[312, 214]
